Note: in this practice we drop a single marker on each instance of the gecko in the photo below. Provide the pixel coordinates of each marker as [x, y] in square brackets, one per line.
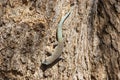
[59, 48]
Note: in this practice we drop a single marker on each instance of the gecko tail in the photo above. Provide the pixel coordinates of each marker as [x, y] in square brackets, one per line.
[64, 18]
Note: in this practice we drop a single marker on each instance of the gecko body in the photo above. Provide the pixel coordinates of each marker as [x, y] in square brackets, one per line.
[59, 48]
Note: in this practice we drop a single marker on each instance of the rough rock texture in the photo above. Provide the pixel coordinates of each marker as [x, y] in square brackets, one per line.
[91, 39]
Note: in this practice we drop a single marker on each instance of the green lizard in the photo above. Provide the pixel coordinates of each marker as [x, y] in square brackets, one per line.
[58, 50]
